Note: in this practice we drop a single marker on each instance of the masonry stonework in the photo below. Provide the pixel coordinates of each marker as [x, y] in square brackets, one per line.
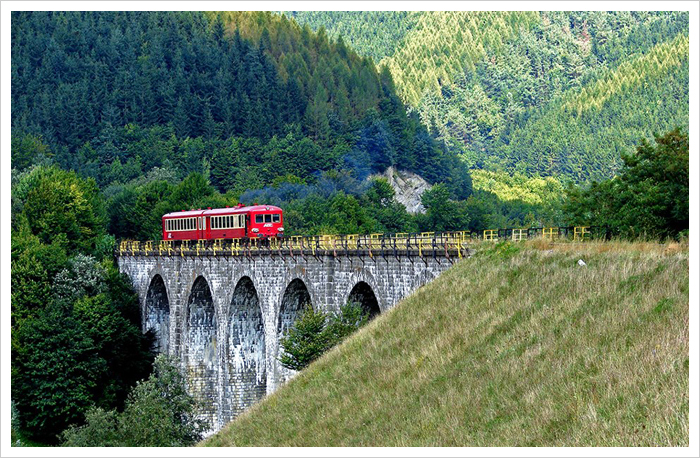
[223, 316]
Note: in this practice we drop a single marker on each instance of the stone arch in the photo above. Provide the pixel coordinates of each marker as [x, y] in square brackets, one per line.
[246, 380]
[200, 349]
[157, 313]
[295, 297]
[361, 275]
[299, 273]
[363, 295]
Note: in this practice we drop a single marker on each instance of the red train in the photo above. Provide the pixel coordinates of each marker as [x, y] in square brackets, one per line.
[224, 223]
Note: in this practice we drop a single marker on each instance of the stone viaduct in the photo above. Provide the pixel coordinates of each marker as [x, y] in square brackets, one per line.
[222, 314]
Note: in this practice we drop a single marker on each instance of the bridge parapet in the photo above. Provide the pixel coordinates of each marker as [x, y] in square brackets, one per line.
[446, 244]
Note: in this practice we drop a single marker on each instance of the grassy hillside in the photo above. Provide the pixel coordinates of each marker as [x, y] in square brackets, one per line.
[517, 346]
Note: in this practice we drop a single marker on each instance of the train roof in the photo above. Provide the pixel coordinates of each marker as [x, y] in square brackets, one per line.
[184, 214]
[222, 211]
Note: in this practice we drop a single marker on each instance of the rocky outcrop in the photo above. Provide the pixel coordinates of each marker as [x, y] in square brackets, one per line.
[408, 186]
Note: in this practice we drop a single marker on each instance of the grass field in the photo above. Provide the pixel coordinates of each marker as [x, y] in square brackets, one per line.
[516, 346]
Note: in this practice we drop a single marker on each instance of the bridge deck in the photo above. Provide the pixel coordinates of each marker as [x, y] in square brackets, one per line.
[446, 245]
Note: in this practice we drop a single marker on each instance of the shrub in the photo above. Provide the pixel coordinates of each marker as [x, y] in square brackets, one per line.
[316, 332]
[158, 413]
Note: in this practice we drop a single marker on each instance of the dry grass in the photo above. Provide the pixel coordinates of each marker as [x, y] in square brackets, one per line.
[517, 346]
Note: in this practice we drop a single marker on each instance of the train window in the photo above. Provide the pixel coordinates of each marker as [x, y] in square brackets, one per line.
[258, 219]
[228, 222]
[276, 218]
[268, 218]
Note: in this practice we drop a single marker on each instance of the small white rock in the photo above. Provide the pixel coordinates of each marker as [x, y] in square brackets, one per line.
[581, 263]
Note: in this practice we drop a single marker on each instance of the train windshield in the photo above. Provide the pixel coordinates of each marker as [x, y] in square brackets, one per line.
[259, 218]
[276, 218]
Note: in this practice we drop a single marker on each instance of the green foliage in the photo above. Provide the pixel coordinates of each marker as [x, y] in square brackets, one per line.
[543, 94]
[443, 214]
[316, 332]
[650, 196]
[82, 348]
[305, 341]
[55, 372]
[352, 317]
[531, 190]
[61, 208]
[28, 149]
[76, 331]
[371, 33]
[158, 413]
[239, 97]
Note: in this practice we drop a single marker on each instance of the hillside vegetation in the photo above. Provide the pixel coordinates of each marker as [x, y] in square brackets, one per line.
[243, 97]
[516, 346]
[548, 93]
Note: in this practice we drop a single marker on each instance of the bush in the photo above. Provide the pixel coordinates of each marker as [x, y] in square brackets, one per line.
[158, 413]
[316, 332]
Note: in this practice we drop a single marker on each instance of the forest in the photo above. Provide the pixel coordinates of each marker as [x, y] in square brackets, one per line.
[560, 94]
[120, 117]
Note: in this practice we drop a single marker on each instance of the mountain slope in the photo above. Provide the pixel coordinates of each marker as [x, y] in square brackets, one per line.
[483, 81]
[246, 97]
[516, 346]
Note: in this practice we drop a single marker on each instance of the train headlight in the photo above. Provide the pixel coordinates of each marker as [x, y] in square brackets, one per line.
[255, 229]
[280, 229]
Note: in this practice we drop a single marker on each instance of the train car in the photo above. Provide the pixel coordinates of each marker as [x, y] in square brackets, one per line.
[256, 221]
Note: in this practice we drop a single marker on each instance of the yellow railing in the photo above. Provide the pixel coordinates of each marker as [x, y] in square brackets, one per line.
[519, 234]
[448, 244]
[580, 233]
[549, 232]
